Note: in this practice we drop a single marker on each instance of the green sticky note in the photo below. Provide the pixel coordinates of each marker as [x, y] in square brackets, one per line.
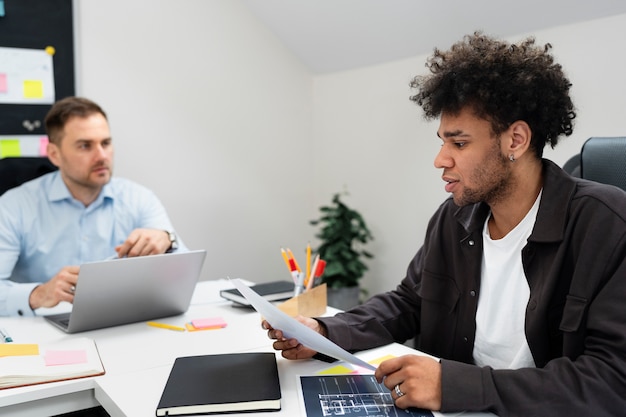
[10, 147]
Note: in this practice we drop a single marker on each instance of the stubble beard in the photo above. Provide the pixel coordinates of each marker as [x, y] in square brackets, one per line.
[494, 180]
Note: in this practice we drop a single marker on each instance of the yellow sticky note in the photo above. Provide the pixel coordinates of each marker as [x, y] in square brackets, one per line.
[33, 89]
[10, 147]
[337, 370]
[18, 349]
[379, 360]
[345, 370]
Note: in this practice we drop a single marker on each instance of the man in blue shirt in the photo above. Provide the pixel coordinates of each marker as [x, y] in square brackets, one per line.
[51, 225]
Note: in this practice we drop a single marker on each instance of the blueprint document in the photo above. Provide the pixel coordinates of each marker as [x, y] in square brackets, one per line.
[292, 328]
[350, 396]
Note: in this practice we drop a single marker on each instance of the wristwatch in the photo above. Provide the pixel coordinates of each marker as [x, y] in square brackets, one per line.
[173, 241]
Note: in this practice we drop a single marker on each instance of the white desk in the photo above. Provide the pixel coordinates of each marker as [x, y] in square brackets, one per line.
[138, 358]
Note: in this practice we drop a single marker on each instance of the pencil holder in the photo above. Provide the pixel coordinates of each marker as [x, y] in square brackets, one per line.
[310, 303]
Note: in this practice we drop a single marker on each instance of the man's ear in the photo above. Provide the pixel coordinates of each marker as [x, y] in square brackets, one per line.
[520, 135]
[53, 153]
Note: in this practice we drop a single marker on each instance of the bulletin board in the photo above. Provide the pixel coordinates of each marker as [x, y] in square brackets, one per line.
[36, 68]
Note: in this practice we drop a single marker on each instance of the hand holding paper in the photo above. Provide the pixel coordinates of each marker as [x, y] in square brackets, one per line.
[291, 328]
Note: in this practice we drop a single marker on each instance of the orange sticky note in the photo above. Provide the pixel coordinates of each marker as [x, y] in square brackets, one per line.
[18, 349]
[64, 357]
[190, 328]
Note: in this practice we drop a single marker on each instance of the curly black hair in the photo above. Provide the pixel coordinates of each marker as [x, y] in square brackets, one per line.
[501, 83]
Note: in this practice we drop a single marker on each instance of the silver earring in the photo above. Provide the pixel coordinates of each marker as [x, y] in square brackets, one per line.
[512, 158]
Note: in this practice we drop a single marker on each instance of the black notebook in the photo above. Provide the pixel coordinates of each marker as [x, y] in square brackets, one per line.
[234, 382]
[271, 291]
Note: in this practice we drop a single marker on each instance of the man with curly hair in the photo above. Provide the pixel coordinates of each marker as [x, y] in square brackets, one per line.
[520, 284]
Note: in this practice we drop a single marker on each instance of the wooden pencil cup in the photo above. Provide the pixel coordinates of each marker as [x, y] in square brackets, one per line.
[310, 303]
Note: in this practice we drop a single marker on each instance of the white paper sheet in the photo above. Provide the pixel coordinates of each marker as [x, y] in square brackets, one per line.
[292, 328]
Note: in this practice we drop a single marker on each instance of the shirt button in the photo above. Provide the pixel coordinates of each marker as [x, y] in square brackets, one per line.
[465, 339]
[532, 305]
[473, 293]
[471, 243]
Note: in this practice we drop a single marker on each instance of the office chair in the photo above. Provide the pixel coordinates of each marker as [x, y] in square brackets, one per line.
[601, 159]
[572, 166]
[15, 171]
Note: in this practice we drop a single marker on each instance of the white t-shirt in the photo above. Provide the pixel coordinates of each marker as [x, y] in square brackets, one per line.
[504, 292]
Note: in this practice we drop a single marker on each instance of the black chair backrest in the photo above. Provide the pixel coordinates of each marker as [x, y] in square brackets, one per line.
[603, 159]
[15, 171]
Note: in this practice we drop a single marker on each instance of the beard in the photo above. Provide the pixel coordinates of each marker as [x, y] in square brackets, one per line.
[493, 180]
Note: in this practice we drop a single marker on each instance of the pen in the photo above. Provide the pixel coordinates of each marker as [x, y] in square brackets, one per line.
[294, 271]
[290, 253]
[319, 271]
[5, 336]
[299, 287]
[166, 326]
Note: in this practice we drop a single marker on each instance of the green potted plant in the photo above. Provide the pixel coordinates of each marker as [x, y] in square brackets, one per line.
[342, 234]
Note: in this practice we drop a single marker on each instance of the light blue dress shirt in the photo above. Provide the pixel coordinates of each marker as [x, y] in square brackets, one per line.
[43, 229]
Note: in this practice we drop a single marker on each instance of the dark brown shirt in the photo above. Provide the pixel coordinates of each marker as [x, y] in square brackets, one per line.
[575, 263]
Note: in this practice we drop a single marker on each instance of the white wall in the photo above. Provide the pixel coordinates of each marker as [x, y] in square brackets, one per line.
[243, 144]
[212, 113]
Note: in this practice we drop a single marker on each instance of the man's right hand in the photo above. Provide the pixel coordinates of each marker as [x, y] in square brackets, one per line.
[291, 348]
[60, 288]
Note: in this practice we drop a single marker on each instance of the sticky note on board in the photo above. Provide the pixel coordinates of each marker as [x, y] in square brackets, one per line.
[4, 86]
[18, 349]
[43, 146]
[1, 8]
[33, 89]
[10, 147]
[64, 357]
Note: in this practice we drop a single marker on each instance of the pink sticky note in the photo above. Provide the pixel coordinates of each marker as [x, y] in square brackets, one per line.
[43, 146]
[210, 322]
[3, 83]
[65, 357]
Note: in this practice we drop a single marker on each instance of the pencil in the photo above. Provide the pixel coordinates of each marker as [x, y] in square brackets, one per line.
[311, 278]
[308, 260]
[165, 326]
[286, 258]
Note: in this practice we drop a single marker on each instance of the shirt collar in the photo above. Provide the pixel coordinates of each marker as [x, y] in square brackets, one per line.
[558, 189]
[59, 191]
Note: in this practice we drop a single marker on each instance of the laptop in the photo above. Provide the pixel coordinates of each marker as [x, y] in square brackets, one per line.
[128, 290]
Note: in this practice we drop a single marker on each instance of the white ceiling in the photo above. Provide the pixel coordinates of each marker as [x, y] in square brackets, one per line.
[336, 35]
